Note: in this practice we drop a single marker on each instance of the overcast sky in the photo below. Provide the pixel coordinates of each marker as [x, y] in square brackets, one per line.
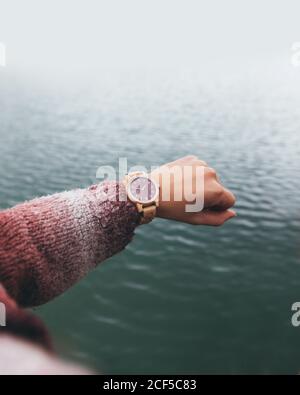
[140, 33]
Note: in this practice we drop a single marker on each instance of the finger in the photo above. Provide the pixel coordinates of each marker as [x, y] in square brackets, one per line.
[221, 198]
[213, 218]
[210, 173]
[225, 201]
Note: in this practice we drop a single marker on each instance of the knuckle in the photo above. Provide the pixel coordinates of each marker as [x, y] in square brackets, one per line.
[230, 198]
[218, 191]
[191, 157]
[211, 171]
[201, 163]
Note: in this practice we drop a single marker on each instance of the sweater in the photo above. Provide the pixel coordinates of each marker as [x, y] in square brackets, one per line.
[46, 246]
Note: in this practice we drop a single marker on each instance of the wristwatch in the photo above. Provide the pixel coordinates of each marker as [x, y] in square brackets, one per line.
[144, 193]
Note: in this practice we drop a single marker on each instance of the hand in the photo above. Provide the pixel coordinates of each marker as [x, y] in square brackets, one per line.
[217, 199]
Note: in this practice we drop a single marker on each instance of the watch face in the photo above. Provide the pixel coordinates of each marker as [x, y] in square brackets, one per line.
[143, 189]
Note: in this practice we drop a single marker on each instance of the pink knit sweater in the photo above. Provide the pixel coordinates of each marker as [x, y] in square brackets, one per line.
[47, 245]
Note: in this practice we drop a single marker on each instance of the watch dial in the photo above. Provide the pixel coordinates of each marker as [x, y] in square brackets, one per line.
[143, 189]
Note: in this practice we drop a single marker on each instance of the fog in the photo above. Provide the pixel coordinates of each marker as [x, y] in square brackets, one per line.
[65, 34]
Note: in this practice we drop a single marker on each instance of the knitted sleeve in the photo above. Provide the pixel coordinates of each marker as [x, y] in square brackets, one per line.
[48, 244]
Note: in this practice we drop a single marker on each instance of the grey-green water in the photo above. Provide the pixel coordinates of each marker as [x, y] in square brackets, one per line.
[180, 299]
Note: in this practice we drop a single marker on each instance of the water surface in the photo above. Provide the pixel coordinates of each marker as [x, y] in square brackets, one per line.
[180, 299]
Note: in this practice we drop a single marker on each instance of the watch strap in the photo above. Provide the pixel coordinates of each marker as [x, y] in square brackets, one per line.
[147, 212]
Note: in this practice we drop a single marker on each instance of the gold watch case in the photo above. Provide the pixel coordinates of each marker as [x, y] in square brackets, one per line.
[147, 209]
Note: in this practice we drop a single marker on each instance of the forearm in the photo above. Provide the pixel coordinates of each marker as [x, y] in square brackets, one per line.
[48, 244]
